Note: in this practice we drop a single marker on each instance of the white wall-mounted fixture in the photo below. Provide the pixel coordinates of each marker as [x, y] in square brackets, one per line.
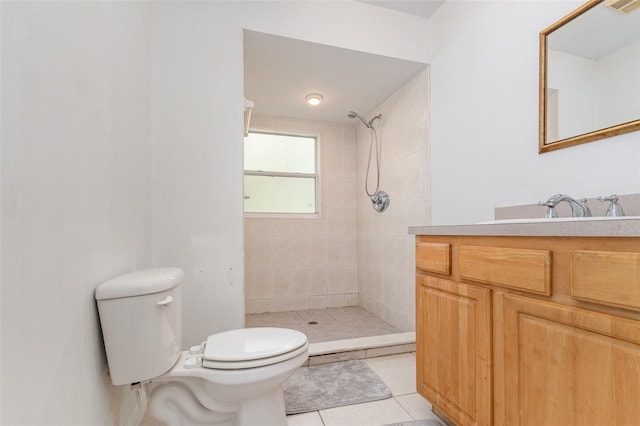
[624, 6]
[248, 107]
[314, 99]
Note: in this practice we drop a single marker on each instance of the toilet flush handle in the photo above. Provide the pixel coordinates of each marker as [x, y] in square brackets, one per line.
[166, 301]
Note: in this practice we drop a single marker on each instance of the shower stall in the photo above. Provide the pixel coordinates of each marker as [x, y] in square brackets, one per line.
[350, 255]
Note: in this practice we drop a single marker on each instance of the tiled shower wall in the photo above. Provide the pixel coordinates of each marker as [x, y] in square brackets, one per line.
[350, 255]
[293, 264]
[386, 253]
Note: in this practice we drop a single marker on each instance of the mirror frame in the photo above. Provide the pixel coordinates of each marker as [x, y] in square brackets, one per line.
[607, 132]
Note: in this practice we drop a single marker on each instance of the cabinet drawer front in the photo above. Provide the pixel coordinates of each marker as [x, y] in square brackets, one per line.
[434, 257]
[611, 278]
[523, 269]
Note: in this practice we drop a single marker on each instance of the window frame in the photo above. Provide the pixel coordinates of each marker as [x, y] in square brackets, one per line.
[315, 176]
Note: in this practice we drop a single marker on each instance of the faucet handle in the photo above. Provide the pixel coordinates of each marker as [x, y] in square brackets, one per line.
[548, 203]
[551, 211]
[614, 207]
[612, 198]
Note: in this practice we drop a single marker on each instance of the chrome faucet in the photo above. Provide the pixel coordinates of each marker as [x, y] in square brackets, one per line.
[578, 207]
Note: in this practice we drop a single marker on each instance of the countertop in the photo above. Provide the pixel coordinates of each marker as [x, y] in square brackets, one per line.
[563, 227]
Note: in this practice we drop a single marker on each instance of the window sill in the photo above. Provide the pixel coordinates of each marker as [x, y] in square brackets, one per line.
[281, 215]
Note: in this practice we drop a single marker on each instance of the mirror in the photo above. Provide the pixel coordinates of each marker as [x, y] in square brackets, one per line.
[590, 74]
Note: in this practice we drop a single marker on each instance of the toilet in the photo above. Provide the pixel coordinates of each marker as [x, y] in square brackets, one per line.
[232, 378]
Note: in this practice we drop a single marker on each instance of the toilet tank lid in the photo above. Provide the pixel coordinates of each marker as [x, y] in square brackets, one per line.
[139, 283]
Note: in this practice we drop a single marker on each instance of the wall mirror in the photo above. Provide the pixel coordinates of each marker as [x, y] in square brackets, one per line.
[590, 74]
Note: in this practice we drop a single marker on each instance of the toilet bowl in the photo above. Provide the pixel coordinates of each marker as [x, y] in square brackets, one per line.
[233, 378]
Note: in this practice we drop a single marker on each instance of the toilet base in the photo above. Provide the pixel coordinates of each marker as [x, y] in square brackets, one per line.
[173, 403]
[202, 396]
[266, 410]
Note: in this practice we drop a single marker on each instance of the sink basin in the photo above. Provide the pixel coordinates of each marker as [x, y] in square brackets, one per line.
[558, 219]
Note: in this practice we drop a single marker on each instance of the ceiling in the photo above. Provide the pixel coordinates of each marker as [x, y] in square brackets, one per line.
[280, 72]
[423, 8]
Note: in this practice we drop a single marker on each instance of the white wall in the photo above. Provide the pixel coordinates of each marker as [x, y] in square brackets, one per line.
[76, 199]
[197, 133]
[484, 116]
[198, 124]
[386, 252]
[308, 263]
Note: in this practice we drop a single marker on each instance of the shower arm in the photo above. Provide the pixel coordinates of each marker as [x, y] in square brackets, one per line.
[377, 117]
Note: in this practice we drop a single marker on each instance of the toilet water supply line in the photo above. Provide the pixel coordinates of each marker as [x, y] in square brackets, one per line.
[141, 400]
[379, 198]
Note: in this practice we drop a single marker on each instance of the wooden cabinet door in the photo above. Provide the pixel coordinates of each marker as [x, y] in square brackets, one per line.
[453, 329]
[566, 366]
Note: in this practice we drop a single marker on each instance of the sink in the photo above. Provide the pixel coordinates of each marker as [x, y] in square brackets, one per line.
[558, 219]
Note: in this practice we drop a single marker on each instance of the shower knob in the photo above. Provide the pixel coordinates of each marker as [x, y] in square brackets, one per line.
[380, 201]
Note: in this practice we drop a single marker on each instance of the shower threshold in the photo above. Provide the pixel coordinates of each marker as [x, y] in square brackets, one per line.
[340, 334]
[361, 347]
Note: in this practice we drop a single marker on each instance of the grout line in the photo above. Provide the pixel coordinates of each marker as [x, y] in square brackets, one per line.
[321, 418]
[402, 406]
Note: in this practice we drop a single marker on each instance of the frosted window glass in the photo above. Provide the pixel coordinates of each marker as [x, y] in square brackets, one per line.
[279, 153]
[280, 174]
[275, 194]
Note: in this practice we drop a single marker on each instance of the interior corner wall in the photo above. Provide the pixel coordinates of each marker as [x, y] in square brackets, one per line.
[76, 199]
[197, 132]
[307, 263]
[197, 104]
[484, 117]
[386, 252]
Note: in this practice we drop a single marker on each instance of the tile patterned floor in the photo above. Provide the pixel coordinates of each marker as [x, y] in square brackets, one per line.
[330, 323]
[398, 372]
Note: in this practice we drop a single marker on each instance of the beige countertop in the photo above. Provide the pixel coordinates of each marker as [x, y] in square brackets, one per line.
[563, 227]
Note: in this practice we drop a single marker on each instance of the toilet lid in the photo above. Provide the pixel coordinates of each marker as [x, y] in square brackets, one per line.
[245, 345]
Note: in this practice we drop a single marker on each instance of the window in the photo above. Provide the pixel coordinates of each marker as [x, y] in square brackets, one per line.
[280, 174]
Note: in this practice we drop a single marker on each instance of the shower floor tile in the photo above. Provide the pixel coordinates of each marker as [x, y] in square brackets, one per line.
[323, 325]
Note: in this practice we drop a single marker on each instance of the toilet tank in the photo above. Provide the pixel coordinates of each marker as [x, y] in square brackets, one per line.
[141, 319]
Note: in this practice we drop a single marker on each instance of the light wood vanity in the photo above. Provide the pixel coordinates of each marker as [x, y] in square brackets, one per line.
[529, 329]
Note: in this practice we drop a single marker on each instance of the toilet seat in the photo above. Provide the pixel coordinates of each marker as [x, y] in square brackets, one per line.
[252, 347]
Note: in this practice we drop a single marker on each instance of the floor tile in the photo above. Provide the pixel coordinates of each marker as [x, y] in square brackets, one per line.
[305, 419]
[397, 371]
[375, 413]
[418, 407]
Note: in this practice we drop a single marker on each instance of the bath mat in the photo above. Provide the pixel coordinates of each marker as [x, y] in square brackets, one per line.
[425, 422]
[332, 385]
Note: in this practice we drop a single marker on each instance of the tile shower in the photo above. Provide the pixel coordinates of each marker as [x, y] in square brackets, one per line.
[351, 255]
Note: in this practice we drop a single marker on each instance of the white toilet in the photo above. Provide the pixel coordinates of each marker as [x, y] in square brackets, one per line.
[233, 378]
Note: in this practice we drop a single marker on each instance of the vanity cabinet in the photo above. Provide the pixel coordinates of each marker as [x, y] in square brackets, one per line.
[453, 354]
[568, 366]
[529, 330]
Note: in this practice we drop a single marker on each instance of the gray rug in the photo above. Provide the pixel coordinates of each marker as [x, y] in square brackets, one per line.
[332, 385]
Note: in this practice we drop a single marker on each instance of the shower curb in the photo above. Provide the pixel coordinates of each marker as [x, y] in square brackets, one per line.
[361, 348]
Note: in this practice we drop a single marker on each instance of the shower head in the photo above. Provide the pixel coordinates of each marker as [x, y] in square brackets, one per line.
[353, 114]
[369, 124]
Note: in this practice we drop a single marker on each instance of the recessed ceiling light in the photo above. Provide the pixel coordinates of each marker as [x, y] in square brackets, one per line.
[314, 99]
